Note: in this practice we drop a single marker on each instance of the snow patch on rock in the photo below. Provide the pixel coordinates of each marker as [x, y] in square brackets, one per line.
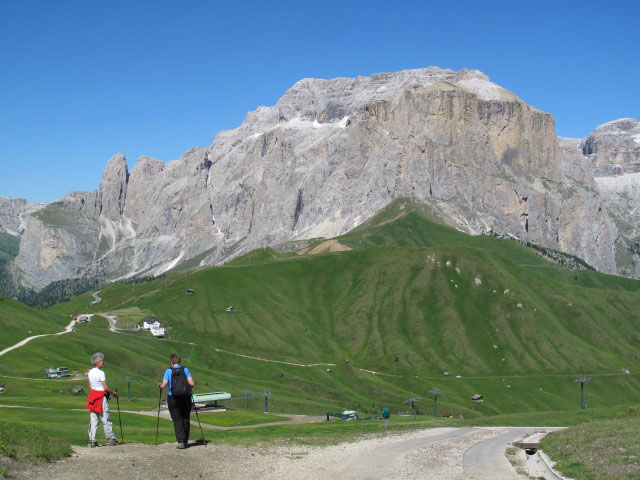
[302, 124]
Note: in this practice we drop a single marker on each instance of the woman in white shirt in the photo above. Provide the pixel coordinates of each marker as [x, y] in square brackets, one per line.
[98, 404]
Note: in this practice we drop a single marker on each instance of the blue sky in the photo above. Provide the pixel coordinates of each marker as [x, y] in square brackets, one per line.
[83, 80]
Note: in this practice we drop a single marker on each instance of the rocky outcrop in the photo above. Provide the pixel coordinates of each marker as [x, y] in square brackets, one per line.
[113, 188]
[141, 223]
[613, 149]
[58, 243]
[327, 156]
[14, 213]
[338, 151]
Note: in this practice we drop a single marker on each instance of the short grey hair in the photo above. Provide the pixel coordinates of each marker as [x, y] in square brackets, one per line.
[96, 357]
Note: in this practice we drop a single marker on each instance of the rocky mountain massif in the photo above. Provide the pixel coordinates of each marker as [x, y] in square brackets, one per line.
[614, 151]
[329, 155]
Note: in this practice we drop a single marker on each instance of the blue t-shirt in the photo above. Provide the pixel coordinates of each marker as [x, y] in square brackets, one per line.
[167, 377]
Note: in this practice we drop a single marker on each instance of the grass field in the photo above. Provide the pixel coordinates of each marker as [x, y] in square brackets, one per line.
[24, 440]
[18, 321]
[70, 425]
[606, 449]
[239, 417]
[295, 389]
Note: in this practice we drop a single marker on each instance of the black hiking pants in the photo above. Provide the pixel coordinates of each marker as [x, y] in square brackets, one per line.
[180, 410]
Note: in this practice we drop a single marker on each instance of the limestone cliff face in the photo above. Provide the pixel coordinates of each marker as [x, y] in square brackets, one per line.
[613, 149]
[113, 188]
[327, 156]
[338, 151]
[54, 247]
[14, 213]
[140, 223]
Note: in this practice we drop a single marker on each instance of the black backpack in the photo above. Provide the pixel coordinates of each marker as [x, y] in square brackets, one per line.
[179, 385]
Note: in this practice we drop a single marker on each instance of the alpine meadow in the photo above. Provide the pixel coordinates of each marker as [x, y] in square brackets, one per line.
[406, 300]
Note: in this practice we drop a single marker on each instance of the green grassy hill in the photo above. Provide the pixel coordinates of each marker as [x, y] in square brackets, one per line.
[17, 322]
[412, 299]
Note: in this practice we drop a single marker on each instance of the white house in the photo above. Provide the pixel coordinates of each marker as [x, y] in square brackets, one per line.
[151, 324]
[157, 331]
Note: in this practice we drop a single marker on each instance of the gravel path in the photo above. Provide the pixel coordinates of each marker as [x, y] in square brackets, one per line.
[391, 460]
[486, 460]
[67, 329]
[112, 321]
[96, 298]
[437, 453]
[206, 426]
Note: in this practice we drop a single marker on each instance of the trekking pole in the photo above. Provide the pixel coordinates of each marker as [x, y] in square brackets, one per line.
[193, 402]
[119, 419]
[158, 423]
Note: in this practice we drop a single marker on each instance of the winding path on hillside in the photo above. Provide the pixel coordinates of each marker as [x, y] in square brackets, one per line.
[67, 329]
[96, 298]
[112, 321]
[273, 361]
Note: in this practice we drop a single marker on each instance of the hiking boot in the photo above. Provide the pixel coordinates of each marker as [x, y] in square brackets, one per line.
[114, 442]
[93, 444]
[181, 446]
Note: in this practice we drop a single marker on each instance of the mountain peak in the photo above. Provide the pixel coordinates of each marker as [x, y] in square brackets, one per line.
[351, 92]
[327, 156]
[113, 186]
[621, 125]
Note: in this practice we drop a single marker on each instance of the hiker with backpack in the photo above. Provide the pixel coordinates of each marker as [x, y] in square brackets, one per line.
[180, 382]
[98, 402]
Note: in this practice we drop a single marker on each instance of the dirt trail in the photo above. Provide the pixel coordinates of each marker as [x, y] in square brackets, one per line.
[112, 319]
[273, 361]
[194, 422]
[67, 329]
[438, 453]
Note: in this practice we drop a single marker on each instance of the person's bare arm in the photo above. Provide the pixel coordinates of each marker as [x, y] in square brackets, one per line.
[163, 383]
[191, 381]
[107, 390]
